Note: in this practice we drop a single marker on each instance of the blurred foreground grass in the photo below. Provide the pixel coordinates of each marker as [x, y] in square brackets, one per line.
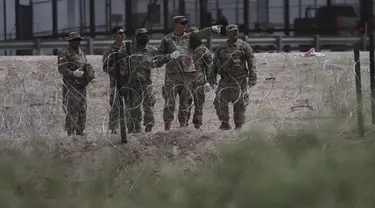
[306, 169]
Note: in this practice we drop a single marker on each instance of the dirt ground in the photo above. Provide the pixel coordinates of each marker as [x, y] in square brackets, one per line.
[290, 90]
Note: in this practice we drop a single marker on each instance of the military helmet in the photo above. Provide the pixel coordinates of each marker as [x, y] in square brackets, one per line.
[180, 19]
[75, 36]
[231, 27]
[141, 31]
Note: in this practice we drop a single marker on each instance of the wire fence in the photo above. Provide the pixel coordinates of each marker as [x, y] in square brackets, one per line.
[291, 91]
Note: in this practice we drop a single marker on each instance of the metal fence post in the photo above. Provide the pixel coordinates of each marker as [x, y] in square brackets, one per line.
[209, 43]
[38, 49]
[358, 87]
[90, 46]
[364, 42]
[372, 75]
[279, 44]
[317, 42]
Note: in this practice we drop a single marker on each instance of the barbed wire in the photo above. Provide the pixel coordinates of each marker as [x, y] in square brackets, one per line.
[291, 90]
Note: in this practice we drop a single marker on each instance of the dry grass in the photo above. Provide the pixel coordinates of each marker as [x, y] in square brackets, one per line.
[308, 107]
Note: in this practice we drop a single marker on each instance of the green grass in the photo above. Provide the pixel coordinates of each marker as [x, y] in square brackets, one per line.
[304, 169]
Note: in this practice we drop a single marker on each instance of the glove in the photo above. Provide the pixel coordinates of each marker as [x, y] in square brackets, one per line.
[252, 79]
[175, 54]
[216, 28]
[78, 73]
[212, 82]
[149, 60]
[212, 86]
[207, 87]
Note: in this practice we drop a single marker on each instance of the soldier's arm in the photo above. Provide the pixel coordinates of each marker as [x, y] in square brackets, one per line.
[216, 65]
[125, 57]
[63, 64]
[154, 61]
[162, 55]
[250, 59]
[204, 33]
[208, 59]
[106, 60]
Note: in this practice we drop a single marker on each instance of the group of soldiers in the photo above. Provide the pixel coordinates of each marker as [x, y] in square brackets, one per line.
[190, 68]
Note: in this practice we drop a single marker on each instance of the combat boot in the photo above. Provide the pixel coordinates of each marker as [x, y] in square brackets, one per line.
[80, 132]
[148, 128]
[167, 126]
[184, 125]
[238, 126]
[113, 131]
[197, 124]
[225, 126]
[135, 129]
[69, 132]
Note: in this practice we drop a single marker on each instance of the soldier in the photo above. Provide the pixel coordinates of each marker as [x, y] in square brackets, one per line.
[180, 72]
[141, 92]
[230, 61]
[71, 61]
[114, 57]
[202, 61]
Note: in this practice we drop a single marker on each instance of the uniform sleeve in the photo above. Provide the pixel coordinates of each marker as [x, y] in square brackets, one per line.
[162, 55]
[106, 60]
[63, 64]
[216, 65]
[216, 61]
[125, 58]
[204, 33]
[153, 52]
[207, 57]
[250, 59]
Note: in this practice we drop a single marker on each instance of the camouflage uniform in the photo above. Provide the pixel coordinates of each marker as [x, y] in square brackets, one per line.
[230, 62]
[141, 92]
[114, 54]
[74, 89]
[180, 74]
[202, 60]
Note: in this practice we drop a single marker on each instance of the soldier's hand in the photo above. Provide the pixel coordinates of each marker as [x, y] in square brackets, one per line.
[175, 54]
[78, 73]
[252, 80]
[252, 83]
[216, 28]
[207, 87]
[213, 85]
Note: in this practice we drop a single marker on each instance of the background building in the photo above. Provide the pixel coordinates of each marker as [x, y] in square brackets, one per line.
[36, 19]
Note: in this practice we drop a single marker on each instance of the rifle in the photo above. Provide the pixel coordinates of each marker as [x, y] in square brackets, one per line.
[123, 132]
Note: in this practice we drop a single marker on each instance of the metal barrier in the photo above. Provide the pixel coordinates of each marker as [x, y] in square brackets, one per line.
[277, 41]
